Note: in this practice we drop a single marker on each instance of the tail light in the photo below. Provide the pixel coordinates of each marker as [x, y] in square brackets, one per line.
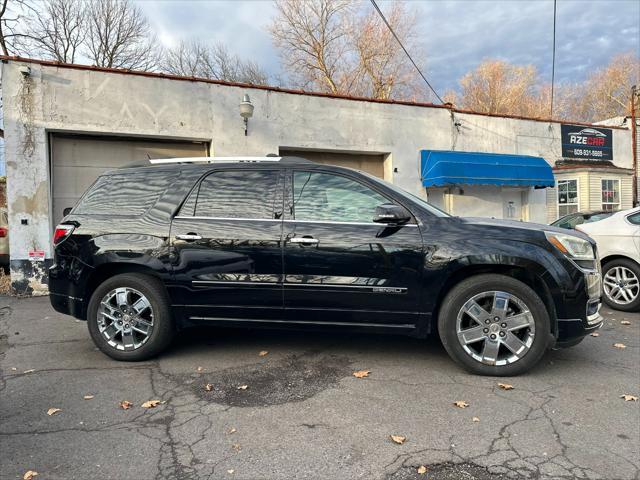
[61, 233]
[3, 232]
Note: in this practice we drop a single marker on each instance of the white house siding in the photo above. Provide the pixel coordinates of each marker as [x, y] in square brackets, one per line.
[57, 98]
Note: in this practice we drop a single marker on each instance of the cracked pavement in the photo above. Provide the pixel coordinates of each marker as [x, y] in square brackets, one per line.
[303, 414]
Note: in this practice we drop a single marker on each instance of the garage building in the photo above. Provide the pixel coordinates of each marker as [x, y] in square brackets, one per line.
[65, 124]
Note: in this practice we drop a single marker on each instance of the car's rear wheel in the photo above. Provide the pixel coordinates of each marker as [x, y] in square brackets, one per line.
[129, 317]
[621, 284]
[494, 325]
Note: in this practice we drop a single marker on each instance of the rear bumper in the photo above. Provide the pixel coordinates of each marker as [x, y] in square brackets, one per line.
[67, 304]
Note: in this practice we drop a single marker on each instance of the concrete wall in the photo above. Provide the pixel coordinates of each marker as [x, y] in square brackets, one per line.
[58, 98]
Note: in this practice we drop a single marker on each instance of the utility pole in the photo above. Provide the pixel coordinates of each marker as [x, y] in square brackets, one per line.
[634, 142]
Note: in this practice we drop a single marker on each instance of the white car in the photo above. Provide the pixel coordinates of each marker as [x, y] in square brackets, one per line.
[618, 239]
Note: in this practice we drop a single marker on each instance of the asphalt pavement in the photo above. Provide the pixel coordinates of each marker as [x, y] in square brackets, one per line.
[297, 411]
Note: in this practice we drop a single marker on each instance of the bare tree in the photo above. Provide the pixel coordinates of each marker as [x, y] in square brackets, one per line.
[14, 15]
[342, 47]
[119, 36]
[197, 59]
[313, 42]
[383, 70]
[607, 92]
[498, 87]
[59, 30]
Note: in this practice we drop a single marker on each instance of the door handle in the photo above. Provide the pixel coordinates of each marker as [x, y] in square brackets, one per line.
[304, 240]
[189, 237]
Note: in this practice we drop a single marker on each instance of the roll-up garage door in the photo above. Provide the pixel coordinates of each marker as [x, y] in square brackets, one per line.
[77, 160]
[370, 163]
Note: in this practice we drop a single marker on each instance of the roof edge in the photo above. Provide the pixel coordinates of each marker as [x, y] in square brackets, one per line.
[122, 71]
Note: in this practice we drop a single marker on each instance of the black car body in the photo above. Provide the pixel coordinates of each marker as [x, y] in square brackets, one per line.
[290, 243]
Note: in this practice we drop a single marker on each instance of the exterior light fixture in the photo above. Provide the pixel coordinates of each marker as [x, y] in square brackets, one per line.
[246, 111]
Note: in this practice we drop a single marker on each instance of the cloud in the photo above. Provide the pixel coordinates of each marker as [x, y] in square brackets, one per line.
[456, 35]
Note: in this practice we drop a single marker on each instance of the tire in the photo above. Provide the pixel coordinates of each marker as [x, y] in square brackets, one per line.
[525, 317]
[632, 285]
[155, 318]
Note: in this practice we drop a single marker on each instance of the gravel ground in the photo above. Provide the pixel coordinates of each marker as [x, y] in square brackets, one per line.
[303, 414]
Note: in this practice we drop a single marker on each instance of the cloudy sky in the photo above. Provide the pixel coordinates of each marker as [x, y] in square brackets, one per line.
[455, 35]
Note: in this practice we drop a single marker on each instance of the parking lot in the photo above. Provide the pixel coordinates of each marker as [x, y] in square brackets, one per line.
[297, 411]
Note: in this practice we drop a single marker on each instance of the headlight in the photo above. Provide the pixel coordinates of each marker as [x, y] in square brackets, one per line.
[573, 247]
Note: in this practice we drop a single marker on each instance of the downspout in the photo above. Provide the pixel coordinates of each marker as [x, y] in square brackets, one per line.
[634, 144]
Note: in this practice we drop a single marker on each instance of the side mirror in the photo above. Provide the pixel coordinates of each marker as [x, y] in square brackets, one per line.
[391, 214]
[66, 211]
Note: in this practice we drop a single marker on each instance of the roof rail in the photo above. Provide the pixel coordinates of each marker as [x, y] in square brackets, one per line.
[159, 161]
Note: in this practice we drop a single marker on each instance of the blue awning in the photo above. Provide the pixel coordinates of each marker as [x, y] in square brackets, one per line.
[441, 168]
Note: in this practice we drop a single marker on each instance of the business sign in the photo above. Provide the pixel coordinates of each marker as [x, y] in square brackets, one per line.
[586, 142]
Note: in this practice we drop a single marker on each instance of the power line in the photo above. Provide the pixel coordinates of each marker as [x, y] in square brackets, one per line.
[553, 62]
[375, 5]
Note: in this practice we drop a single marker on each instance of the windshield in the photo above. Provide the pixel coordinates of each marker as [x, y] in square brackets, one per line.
[414, 198]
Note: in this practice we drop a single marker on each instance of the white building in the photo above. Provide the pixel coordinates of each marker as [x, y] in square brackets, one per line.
[65, 124]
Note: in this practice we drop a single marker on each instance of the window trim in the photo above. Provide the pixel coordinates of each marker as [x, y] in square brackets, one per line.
[619, 203]
[290, 191]
[577, 180]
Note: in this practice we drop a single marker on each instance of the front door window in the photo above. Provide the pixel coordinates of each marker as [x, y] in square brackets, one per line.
[333, 198]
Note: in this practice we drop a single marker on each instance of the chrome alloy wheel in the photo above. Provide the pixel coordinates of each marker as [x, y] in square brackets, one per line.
[125, 318]
[621, 285]
[495, 328]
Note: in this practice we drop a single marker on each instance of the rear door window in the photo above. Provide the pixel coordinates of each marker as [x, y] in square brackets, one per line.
[237, 194]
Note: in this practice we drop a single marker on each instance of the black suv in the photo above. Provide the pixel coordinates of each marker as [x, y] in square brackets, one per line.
[284, 242]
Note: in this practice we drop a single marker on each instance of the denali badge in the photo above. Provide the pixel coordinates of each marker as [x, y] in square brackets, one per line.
[389, 290]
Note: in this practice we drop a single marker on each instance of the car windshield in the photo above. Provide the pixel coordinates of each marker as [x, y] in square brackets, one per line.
[414, 198]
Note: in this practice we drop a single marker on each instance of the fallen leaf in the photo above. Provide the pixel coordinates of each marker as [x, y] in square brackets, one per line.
[230, 471]
[619, 345]
[625, 322]
[461, 404]
[475, 419]
[236, 447]
[53, 411]
[361, 373]
[263, 353]
[595, 334]
[208, 387]
[31, 370]
[422, 470]
[151, 403]
[126, 404]
[231, 430]
[399, 439]
[505, 386]
[629, 398]
[29, 474]
[88, 397]
[243, 387]
[199, 369]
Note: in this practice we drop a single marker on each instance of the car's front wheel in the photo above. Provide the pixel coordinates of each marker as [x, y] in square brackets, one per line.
[129, 317]
[494, 325]
[621, 285]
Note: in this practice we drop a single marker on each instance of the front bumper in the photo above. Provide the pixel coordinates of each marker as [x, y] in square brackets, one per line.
[571, 331]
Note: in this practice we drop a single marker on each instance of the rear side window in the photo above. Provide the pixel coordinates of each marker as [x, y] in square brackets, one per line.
[236, 194]
[125, 194]
[634, 219]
